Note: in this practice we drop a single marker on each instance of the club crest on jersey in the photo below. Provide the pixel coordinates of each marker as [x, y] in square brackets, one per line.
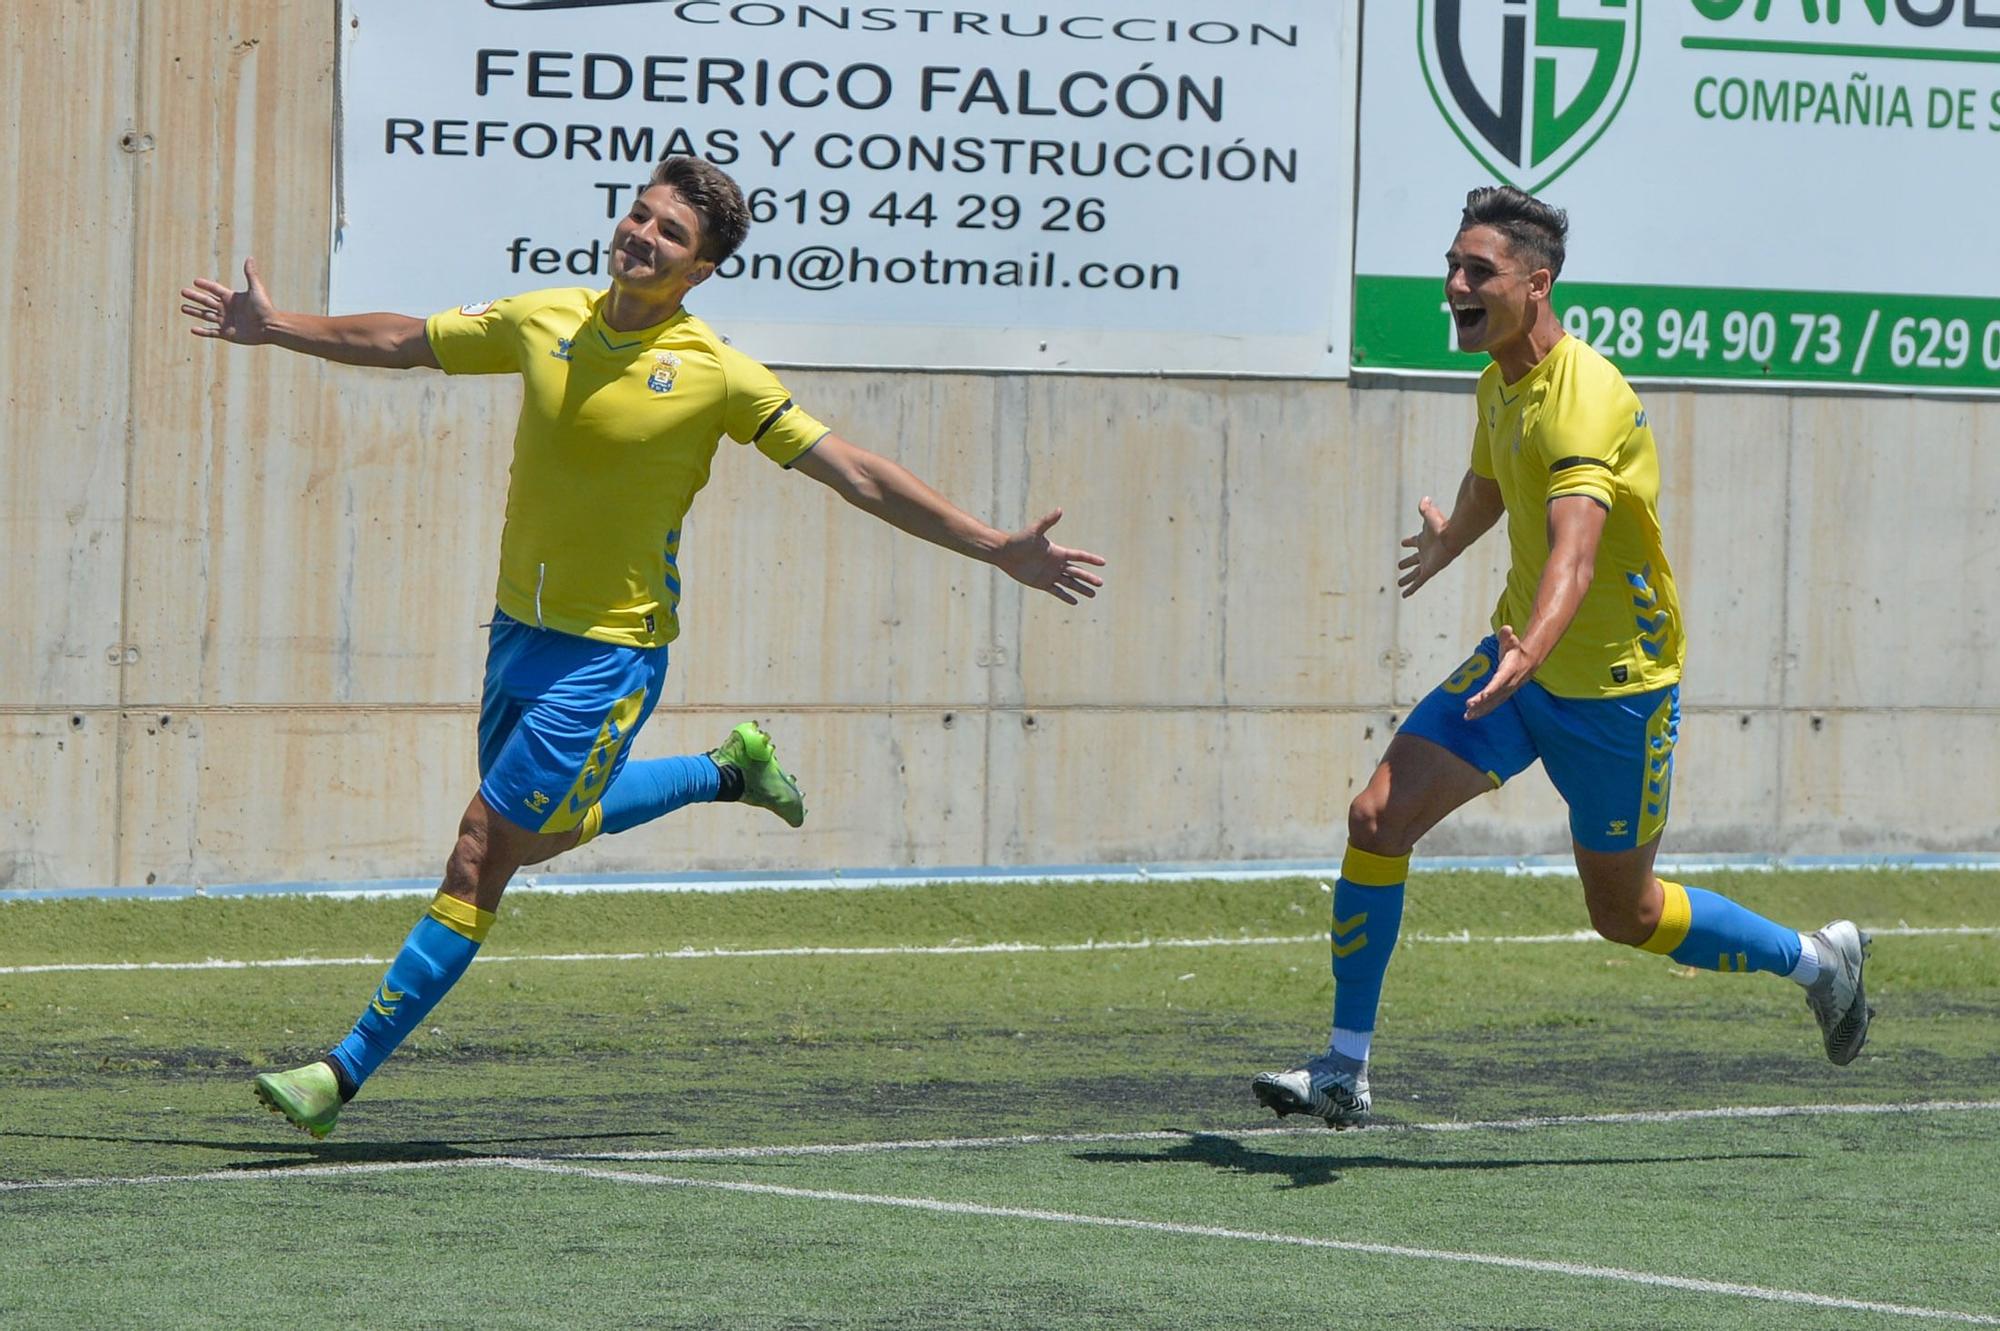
[666, 367]
[477, 308]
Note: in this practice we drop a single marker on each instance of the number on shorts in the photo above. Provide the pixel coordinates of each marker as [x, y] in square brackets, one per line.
[1467, 675]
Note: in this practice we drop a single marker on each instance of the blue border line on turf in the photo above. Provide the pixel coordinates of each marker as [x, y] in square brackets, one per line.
[806, 880]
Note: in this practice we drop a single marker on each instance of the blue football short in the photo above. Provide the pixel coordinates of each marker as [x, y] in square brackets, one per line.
[1611, 759]
[556, 720]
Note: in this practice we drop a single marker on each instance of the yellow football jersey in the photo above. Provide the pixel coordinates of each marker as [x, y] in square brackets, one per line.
[616, 436]
[1573, 426]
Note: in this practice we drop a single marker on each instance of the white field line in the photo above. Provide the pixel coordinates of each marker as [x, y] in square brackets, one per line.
[911, 950]
[696, 1154]
[1574, 1269]
[560, 1165]
[1651, 1116]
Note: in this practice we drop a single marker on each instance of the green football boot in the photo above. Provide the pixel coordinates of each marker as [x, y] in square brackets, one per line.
[750, 751]
[308, 1096]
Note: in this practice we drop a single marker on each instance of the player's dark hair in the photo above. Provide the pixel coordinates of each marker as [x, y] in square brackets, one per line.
[707, 188]
[1536, 230]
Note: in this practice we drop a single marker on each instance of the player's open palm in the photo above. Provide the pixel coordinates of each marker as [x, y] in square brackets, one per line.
[234, 316]
[1514, 670]
[1030, 558]
[1432, 553]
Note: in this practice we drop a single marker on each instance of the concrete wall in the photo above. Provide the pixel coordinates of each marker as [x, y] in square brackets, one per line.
[244, 586]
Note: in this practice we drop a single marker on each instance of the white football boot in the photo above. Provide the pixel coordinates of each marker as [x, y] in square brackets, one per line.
[1836, 998]
[1328, 1087]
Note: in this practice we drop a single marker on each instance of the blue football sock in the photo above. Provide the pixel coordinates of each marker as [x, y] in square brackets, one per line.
[646, 790]
[433, 957]
[1702, 929]
[1367, 916]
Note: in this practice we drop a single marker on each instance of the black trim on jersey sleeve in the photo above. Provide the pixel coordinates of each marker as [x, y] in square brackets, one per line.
[771, 420]
[1564, 464]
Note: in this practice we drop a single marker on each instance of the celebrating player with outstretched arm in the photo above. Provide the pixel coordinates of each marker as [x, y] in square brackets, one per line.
[626, 397]
[1589, 681]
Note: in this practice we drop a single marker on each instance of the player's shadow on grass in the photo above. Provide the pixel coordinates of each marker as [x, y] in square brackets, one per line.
[305, 1151]
[1310, 1171]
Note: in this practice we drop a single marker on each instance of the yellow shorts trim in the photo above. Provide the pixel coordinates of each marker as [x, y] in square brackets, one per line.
[1676, 914]
[1658, 781]
[596, 773]
[592, 824]
[461, 917]
[1364, 869]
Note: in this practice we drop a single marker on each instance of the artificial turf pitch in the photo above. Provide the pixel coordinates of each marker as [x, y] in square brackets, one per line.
[585, 1136]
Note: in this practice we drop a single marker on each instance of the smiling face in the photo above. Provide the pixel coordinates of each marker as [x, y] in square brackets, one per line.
[1494, 289]
[656, 247]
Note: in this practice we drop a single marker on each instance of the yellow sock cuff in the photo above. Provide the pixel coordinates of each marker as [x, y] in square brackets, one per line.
[592, 824]
[1676, 914]
[461, 917]
[1363, 869]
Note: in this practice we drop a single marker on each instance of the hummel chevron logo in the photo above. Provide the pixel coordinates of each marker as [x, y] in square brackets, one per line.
[385, 1000]
[1346, 942]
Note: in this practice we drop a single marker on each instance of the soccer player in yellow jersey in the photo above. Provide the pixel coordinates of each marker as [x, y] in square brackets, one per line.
[1582, 671]
[626, 397]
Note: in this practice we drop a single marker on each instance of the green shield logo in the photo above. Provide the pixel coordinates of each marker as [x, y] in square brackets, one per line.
[1528, 85]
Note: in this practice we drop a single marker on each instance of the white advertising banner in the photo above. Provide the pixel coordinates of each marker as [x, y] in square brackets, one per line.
[1798, 191]
[1156, 187]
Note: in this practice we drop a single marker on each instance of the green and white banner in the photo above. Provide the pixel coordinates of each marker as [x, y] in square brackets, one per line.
[1766, 191]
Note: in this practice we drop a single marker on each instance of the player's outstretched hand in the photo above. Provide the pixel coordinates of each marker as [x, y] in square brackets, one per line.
[234, 316]
[1030, 558]
[1431, 552]
[1514, 670]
